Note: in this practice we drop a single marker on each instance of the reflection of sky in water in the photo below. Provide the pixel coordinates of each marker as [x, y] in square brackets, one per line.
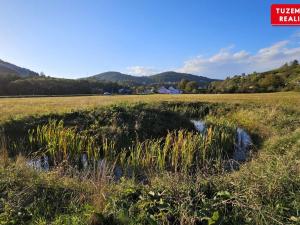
[242, 144]
[40, 163]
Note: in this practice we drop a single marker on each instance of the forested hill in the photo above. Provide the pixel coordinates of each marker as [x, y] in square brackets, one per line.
[285, 78]
[175, 77]
[169, 77]
[11, 69]
[118, 77]
[41, 85]
[165, 77]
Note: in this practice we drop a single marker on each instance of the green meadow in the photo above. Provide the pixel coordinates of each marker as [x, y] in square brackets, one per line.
[138, 159]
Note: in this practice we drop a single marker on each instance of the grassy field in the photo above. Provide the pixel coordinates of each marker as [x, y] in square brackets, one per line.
[19, 107]
[175, 176]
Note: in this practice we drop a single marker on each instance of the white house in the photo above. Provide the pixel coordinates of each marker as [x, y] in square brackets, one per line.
[170, 90]
[174, 90]
[163, 90]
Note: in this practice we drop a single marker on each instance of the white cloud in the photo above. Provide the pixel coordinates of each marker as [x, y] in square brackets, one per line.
[141, 71]
[229, 62]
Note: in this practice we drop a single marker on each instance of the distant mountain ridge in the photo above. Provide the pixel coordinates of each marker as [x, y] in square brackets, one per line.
[165, 77]
[11, 69]
[171, 76]
[116, 77]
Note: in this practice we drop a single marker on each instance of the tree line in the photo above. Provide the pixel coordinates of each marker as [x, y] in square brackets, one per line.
[42, 85]
[285, 78]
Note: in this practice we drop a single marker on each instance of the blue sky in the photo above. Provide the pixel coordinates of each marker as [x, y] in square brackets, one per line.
[69, 38]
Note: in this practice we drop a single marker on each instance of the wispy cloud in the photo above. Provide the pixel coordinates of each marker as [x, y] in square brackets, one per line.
[230, 62]
[141, 70]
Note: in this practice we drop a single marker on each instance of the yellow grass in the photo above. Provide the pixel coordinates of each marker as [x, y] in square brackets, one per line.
[19, 107]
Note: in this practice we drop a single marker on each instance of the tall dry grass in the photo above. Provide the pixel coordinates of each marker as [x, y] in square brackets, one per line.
[180, 151]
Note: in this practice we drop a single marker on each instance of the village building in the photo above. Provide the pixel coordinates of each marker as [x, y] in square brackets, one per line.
[170, 90]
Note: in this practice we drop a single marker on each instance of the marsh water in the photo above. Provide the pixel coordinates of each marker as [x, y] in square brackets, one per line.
[40, 163]
[242, 141]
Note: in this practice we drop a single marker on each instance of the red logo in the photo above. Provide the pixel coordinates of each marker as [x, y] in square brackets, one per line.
[285, 14]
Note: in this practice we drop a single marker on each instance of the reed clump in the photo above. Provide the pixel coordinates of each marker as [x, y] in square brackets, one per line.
[183, 151]
[4, 158]
[62, 143]
[179, 151]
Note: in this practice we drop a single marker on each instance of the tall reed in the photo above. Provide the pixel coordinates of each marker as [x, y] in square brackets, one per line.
[65, 143]
[4, 158]
[180, 151]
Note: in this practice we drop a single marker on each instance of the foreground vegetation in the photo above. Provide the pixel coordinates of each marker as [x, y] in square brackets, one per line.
[167, 190]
